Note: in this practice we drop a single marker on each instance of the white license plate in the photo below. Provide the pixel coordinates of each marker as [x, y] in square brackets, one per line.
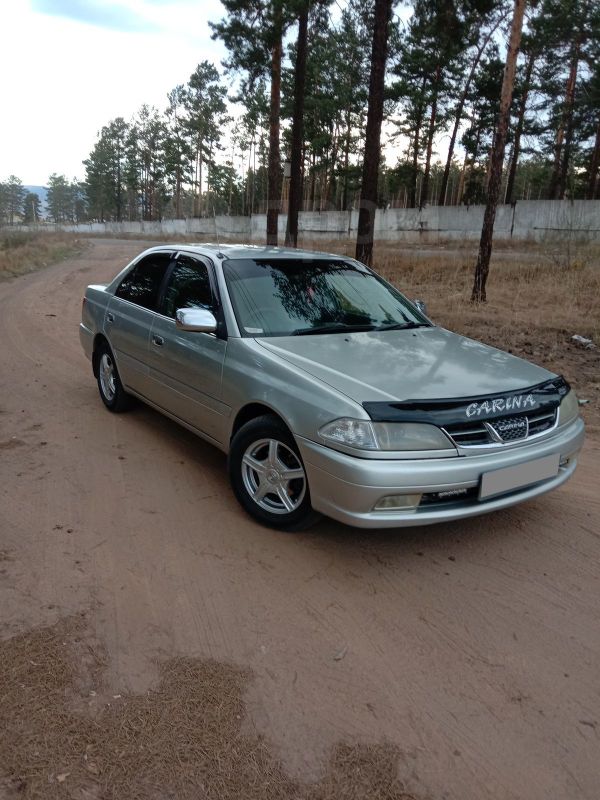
[509, 478]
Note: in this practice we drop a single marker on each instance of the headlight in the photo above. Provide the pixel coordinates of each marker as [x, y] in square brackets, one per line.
[351, 432]
[366, 435]
[568, 409]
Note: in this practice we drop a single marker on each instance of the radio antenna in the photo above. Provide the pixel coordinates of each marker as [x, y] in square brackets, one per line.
[219, 254]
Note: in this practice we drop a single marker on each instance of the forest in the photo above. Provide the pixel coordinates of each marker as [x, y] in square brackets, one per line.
[222, 143]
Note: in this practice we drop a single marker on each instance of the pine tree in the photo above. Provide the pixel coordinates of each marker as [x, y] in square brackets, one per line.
[177, 149]
[13, 195]
[253, 33]
[59, 199]
[32, 208]
[106, 172]
[480, 28]
[497, 157]
[483, 103]
[297, 135]
[371, 159]
[204, 120]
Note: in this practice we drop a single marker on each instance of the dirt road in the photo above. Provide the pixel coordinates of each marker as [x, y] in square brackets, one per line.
[474, 646]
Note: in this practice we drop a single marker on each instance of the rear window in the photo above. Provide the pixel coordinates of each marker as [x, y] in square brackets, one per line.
[142, 284]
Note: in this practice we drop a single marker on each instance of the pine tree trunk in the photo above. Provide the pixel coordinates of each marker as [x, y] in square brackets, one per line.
[119, 191]
[415, 166]
[485, 245]
[594, 165]
[295, 196]
[249, 179]
[510, 186]
[461, 182]
[560, 154]
[200, 183]
[372, 154]
[313, 182]
[274, 188]
[430, 133]
[178, 192]
[330, 181]
[569, 103]
[459, 111]
[553, 185]
[346, 159]
[209, 206]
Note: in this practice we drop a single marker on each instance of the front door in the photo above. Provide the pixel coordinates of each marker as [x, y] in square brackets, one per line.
[186, 367]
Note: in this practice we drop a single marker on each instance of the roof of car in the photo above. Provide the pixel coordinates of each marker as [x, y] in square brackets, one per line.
[240, 251]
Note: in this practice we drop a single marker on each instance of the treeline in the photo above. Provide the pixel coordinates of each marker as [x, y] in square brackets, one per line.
[66, 202]
[443, 77]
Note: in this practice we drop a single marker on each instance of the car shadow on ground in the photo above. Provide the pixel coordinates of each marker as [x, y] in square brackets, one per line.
[190, 452]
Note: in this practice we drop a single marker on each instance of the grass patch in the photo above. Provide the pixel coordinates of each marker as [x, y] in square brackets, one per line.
[25, 252]
[63, 735]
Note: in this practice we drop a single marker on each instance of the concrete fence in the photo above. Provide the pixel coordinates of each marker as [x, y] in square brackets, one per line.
[535, 220]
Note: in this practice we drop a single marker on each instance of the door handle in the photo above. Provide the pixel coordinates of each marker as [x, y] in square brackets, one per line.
[110, 317]
[158, 341]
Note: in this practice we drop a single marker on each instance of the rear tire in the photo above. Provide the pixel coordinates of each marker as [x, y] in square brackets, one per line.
[112, 393]
[268, 477]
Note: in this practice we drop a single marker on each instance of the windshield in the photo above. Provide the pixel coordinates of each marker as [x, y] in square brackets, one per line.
[295, 297]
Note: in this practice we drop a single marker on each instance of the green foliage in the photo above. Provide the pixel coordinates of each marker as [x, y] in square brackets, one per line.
[106, 170]
[12, 195]
[337, 74]
[66, 200]
[32, 208]
[249, 32]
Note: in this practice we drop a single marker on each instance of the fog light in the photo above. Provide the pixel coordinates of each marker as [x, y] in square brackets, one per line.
[398, 502]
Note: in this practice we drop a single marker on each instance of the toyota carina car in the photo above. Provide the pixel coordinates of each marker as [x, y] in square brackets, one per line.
[330, 391]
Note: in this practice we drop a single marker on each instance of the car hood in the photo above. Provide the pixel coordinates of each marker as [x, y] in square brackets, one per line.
[426, 363]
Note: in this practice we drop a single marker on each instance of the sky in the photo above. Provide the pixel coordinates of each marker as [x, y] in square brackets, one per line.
[70, 66]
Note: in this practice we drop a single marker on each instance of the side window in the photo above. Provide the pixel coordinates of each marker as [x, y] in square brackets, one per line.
[141, 285]
[188, 287]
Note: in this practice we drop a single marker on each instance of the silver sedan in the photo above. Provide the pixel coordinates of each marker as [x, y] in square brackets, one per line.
[330, 391]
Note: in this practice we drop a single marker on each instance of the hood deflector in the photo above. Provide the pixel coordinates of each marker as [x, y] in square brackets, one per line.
[449, 411]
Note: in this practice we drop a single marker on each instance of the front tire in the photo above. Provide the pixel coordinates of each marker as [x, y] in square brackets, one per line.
[268, 477]
[112, 393]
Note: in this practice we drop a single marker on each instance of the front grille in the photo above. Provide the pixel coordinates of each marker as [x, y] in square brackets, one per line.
[477, 433]
[468, 434]
[538, 423]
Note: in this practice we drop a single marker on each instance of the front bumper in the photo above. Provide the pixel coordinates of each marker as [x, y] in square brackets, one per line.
[347, 488]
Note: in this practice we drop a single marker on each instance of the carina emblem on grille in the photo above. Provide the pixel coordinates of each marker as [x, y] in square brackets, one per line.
[509, 429]
[513, 403]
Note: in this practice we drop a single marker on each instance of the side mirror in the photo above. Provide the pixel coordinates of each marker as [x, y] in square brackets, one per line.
[195, 319]
[421, 305]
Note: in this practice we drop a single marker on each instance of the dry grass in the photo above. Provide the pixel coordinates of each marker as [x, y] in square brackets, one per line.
[63, 736]
[25, 252]
[538, 297]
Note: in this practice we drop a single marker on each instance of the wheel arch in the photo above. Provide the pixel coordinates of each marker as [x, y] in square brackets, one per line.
[252, 411]
[99, 339]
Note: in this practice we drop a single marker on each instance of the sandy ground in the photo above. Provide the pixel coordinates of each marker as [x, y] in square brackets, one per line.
[473, 646]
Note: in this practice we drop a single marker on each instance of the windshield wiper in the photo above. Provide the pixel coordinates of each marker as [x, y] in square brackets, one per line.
[402, 326]
[336, 327]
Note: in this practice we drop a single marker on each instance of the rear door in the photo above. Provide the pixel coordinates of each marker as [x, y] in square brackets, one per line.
[186, 366]
[129, 317]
